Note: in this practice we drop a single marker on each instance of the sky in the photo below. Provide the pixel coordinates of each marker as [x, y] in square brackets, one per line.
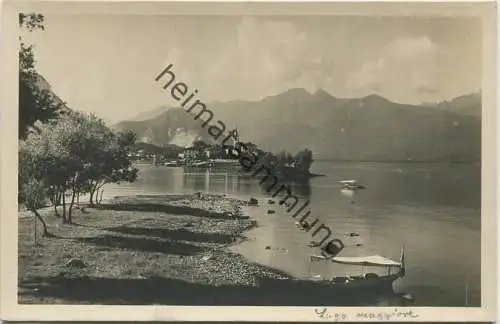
[107, 64]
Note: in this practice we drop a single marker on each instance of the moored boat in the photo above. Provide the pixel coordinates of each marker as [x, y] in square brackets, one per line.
[367, 280]
[224, 162]
[199, 164]
[171, 164]
[351, 185]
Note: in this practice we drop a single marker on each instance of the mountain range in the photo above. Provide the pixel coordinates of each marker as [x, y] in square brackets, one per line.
[370, 128]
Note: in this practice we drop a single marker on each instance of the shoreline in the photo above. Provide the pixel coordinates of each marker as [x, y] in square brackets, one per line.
[179, 237]
[162, 250]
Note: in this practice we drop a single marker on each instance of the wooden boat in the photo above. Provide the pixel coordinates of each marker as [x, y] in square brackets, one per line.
[371, 281]
[351, 185]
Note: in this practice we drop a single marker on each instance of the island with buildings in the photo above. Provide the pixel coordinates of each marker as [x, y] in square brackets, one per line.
[204, 155]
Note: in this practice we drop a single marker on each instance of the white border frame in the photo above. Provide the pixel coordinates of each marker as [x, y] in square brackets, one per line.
[11, 310]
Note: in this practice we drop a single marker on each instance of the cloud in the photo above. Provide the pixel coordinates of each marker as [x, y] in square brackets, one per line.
[267, 57]
[181, 63]
[369, 77]
[404, 66]
[410, 48]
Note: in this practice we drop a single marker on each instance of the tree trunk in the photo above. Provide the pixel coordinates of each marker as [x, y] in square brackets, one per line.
[97, 197]
[45, 229]
[92, 193]
[100, 196]
[36, 231]
[97, 188]
[55, 196]
[52, 198]
[70, 209]
[64, 220]
[78, 198]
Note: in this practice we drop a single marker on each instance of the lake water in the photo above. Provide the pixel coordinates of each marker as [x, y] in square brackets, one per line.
[431, 209]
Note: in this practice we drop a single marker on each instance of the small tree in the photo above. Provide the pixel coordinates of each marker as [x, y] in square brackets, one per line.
[34, 193]
[110, 164]
[33, 184]
[78, 154]
[59, 144]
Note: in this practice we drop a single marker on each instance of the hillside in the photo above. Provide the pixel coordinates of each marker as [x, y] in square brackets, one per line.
[170, 149]
[43, 84]
[173, 126]
[370, 128]
[467, 105]
[150, 114]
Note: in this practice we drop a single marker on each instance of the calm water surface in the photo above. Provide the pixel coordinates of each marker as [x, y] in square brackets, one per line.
[434, 210]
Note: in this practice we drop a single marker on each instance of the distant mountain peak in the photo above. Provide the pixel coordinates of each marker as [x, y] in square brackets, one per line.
[297, 91]
[296, 95]
[470, 96]
[374, 97]
[322, 94]
[149, 114]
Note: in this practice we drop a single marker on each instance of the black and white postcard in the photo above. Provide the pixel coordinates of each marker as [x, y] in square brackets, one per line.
[237, 161]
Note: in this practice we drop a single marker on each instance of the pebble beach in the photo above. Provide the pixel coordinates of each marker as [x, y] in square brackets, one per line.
[182, 238]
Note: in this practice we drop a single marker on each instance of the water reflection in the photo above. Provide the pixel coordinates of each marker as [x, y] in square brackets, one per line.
[415, 184]
[301, 189]
[348, 193]
[231, 180]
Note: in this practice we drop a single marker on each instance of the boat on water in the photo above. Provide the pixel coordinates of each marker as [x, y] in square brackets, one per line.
[224, 162]
[367, 280]
[351, 185]
[171, 164]
[302, 226]
[199, 164]
[352, 182]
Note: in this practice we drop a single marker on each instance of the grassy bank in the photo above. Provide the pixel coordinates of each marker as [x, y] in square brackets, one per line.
[131, 241]
[169, 250]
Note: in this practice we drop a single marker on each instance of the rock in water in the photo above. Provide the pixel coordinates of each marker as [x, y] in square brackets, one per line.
[407, 297]
[253, 202]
